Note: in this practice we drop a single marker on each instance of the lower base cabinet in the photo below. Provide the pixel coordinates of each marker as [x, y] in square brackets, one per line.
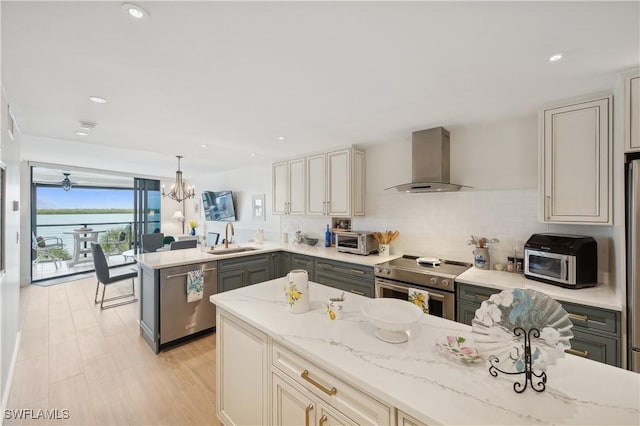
[260, 382]
[242, 358]
[291, 405]
[596, 331]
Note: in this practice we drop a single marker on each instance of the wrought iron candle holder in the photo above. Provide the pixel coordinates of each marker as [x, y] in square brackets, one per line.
[537, 380]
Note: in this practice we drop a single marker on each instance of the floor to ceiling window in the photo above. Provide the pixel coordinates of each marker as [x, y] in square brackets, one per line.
[72, 208]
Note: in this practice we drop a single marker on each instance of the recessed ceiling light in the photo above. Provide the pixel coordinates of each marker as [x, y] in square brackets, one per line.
[555, 58]
[81, 133]
[281, 138]
[204, 146]
[135, 12]
[97, 99]
[87, 125]
[253, 154]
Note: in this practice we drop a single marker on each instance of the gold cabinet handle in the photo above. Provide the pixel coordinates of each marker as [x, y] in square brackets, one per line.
[357, 271]
[583, 354]
[307, 413]
[360, 293]
[305, 375]
[481, 296]
[322, 420]
[578, 317]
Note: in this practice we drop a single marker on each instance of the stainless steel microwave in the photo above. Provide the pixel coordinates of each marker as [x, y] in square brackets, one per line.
[356, 242]
[565, 260]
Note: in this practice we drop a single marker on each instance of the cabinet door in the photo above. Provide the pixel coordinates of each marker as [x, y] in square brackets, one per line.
[280, 184]
[358, 184]
[576, 163]
[230, 280]
[280, 264]
[257, 274]
[242, 390]
[339, 183]
[596, 347]
[317, 185]
[466, 312]
[290, 406]
[631, 111]
[299, 261]
[296, 186]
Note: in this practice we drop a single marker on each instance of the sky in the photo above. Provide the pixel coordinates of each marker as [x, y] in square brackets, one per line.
[84, 198]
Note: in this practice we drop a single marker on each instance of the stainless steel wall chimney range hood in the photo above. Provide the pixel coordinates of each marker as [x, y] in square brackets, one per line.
[429, 162]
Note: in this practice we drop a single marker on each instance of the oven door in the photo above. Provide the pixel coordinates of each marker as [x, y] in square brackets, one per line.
[348, 242]
[441, 303]
[551, 267]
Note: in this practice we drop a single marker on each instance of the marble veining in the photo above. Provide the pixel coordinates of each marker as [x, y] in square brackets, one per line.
[417, 379]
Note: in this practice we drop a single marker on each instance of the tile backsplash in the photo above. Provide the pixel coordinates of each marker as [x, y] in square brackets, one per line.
[440, 224]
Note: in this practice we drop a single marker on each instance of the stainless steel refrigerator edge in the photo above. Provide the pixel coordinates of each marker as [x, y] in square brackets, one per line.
[633, 263]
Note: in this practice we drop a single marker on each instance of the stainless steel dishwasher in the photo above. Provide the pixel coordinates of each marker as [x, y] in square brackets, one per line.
[178, 318]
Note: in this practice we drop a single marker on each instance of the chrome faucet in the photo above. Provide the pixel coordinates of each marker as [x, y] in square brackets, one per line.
[226, 234]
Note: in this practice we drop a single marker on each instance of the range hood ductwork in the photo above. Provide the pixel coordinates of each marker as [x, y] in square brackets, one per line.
[429, 163]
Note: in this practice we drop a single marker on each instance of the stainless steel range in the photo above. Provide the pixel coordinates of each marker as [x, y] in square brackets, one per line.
[437, 276]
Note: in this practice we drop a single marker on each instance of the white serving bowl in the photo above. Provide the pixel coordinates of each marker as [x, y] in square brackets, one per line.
[392, 318]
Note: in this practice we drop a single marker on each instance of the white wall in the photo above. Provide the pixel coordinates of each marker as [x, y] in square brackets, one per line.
[10, 281]
[245, 183]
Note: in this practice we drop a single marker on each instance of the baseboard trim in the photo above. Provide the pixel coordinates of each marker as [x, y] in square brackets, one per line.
[7, 389]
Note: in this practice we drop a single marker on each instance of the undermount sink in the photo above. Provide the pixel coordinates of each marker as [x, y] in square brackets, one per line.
[221, 250]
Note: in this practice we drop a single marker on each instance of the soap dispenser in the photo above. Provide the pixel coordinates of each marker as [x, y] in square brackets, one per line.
[327, 237]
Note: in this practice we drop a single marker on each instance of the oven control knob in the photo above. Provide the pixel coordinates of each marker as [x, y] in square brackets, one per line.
[445, 283]
[434, 281]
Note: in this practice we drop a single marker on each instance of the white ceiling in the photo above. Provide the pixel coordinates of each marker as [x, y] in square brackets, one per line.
[236, 75]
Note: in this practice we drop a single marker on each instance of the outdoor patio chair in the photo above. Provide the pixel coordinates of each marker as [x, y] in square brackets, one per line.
[105, 278]
[115, 245]
[45, 249]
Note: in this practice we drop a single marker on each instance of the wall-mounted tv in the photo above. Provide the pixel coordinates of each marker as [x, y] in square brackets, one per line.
[218, 205]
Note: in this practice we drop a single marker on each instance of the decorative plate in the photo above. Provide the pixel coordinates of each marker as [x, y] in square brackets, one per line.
[456, 348]
[497, 318]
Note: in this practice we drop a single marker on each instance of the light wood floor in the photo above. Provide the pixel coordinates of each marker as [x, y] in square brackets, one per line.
[95, 364]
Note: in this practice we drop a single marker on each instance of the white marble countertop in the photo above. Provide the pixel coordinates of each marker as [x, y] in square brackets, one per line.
[171, 258]
[601, 296]
[415, 378]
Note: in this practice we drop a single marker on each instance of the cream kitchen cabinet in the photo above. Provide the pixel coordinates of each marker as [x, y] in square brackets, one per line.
[288, 179]
[242, 357]
[292, 405]
[631, 110]
[335, 183]
[331, 398]
[576, 162]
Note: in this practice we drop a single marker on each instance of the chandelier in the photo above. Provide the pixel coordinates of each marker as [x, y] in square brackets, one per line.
[178, 190]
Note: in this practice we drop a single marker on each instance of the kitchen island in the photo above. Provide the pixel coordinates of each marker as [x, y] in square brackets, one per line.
[166, 317]
[273, 367]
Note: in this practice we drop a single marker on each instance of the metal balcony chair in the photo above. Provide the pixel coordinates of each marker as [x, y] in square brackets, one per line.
[44, 248]
[115, 245]
[105, 278]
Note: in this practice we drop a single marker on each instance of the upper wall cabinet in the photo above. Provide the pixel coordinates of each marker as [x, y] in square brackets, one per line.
[288, 179]
[335, 183]
[631, 110]
[575, 162]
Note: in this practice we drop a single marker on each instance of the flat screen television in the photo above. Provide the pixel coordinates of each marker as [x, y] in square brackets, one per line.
[218, 205]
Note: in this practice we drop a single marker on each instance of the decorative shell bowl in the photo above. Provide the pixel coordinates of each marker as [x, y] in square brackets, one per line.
[392, 318]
